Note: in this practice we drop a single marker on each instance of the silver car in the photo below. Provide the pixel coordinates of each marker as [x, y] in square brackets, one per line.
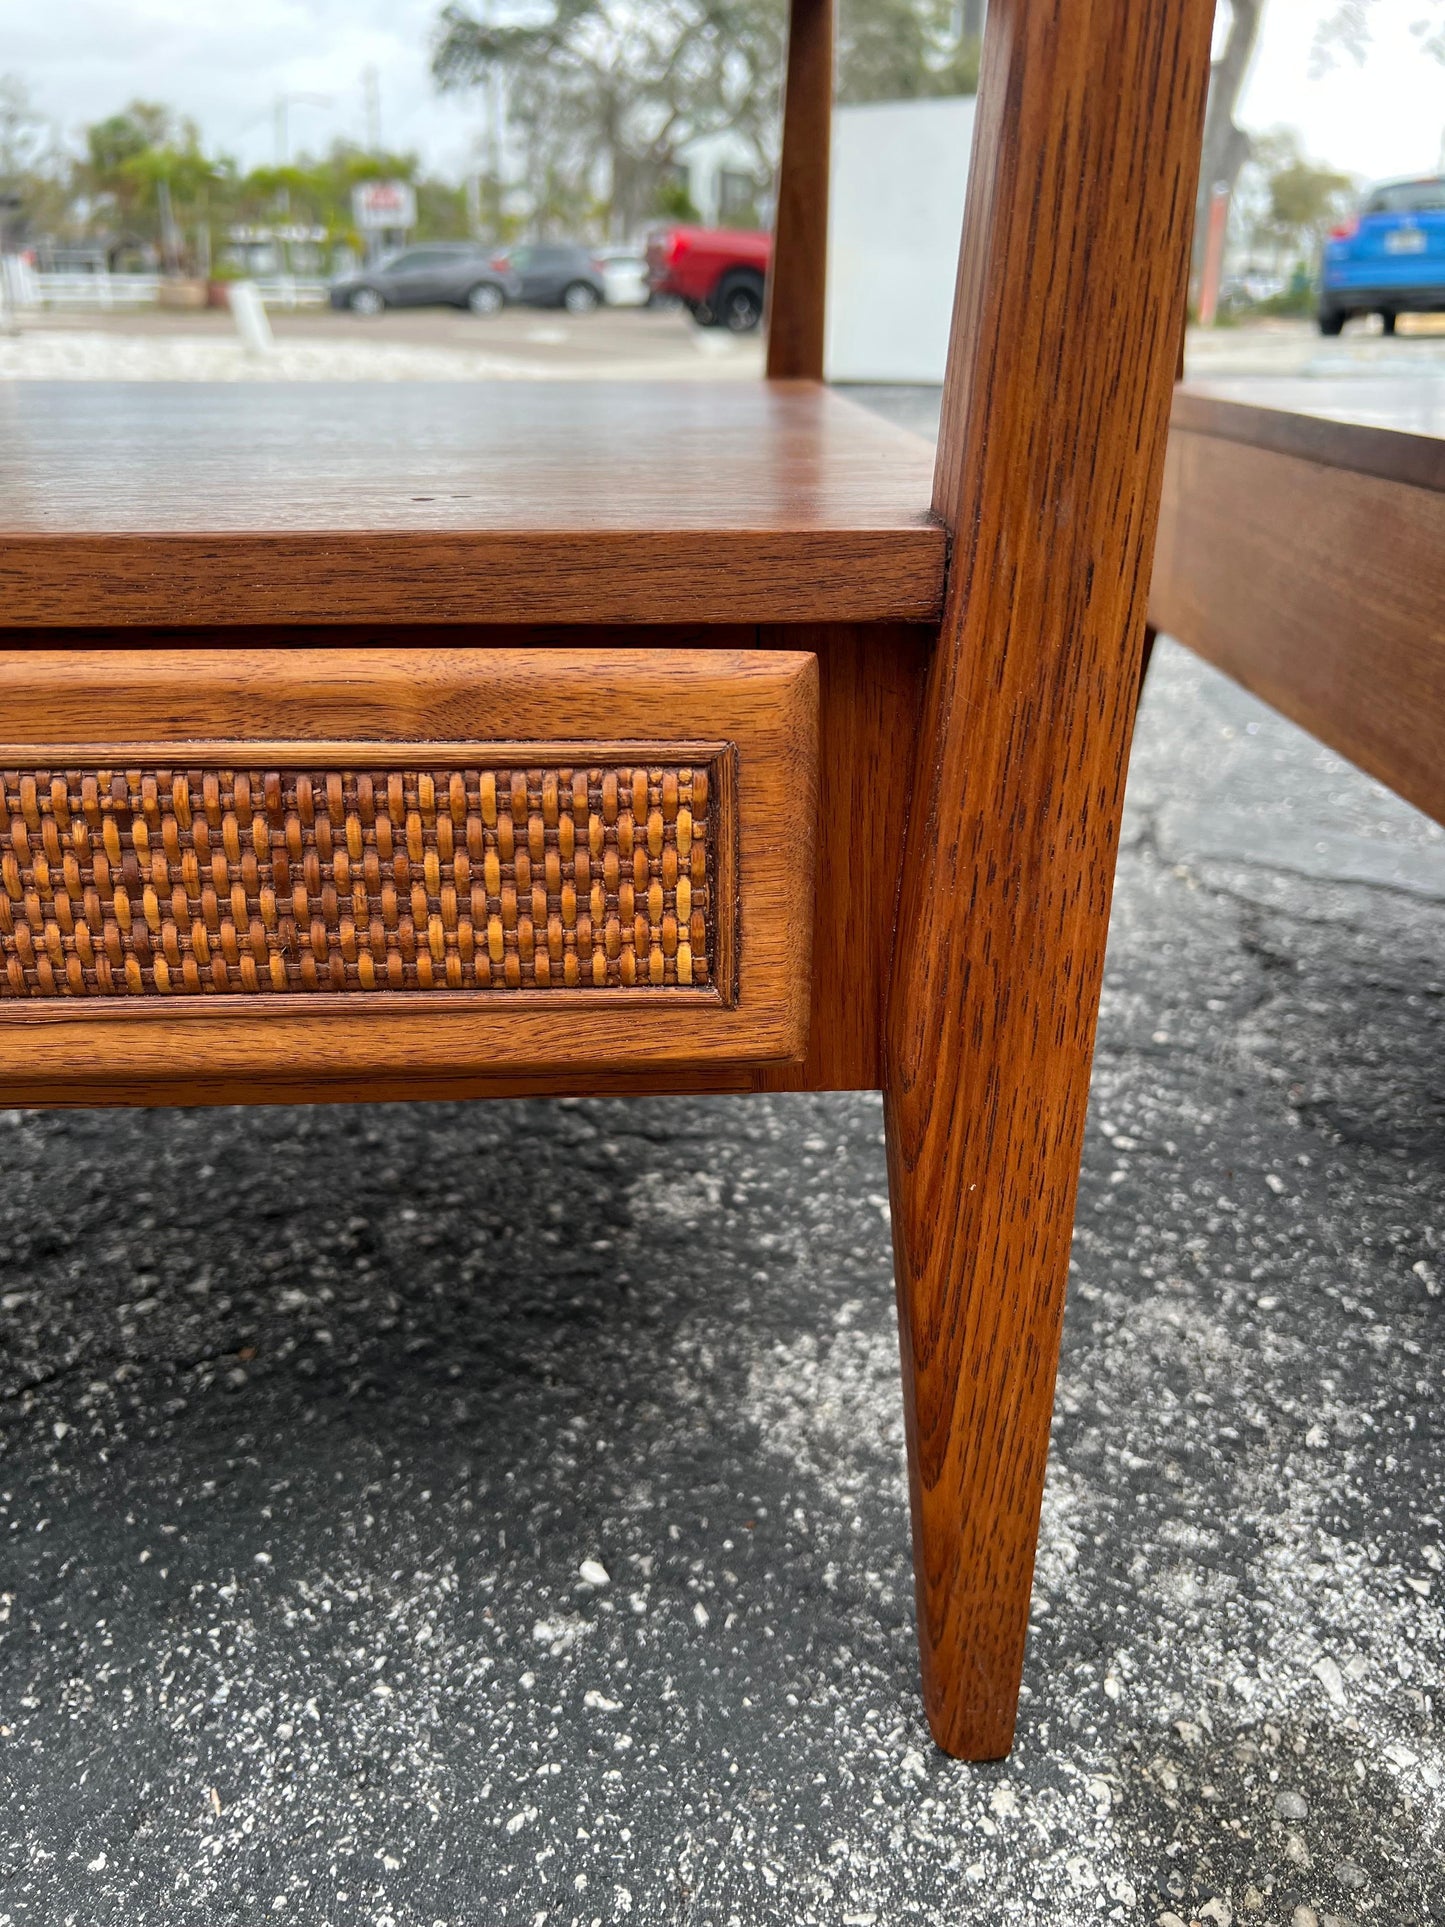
[434, 274]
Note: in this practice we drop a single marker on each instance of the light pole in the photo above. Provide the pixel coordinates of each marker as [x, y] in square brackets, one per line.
[284, 103]
[283, 147]
[371, 91]
[494, 128]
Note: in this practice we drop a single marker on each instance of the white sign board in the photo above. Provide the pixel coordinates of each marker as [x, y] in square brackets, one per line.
[900, 169]
[383, 204]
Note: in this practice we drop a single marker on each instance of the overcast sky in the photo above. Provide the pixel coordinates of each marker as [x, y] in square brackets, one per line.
[224, 62]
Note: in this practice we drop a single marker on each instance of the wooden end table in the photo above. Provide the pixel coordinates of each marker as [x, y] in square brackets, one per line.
[465, 741]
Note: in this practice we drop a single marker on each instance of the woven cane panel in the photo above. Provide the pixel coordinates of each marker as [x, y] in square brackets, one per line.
[162, 881]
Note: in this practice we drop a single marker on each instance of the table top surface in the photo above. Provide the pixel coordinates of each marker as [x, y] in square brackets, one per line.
[1386, 426]
[511, 501]
[173, 504]
[1409, 404]
[112, 457]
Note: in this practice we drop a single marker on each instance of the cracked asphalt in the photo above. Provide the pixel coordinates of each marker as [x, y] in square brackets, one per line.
[495, 1513]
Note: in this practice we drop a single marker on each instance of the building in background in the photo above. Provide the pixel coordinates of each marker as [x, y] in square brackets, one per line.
[717, 175]
[895, 216]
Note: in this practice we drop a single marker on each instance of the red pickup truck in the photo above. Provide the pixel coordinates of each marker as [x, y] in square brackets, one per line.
[719, 274]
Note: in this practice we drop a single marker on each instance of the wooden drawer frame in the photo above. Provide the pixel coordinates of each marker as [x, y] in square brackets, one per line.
[210, 753]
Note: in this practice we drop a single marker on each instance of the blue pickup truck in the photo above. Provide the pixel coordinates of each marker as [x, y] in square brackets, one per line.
[1390, 260]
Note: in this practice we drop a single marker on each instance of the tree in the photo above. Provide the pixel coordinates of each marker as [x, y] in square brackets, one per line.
[22, 131]
[1226, 145]
[1288, 203]
[1305, 201]
[32, 171]
[603, 94]
[905, 49]
[1347, 31]
[315, 192]
[146, 173]
[120, 138]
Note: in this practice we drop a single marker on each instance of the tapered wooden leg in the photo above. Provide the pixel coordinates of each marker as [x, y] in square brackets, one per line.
[977, 1225]
[1150, 637]
[1050, 459]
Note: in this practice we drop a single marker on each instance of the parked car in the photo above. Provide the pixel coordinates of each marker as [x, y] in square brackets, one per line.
[1390, 260]
[719, 274]
[440, 274]
[557, 274]
[624, 271]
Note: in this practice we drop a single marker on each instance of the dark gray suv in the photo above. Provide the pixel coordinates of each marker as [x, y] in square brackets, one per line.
[557, 274]
[434, 274]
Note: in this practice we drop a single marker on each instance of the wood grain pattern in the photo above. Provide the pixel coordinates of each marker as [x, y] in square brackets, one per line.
[1055, 412]
[870, 697]
[500, 503]
[1300, 415]
[762, 703]
[1393, 453]
[464, 871]
[798, 285]
[1289, 558]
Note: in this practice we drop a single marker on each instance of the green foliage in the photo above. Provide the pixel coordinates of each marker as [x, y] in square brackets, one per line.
[1305, 199]
[601, 96]
[1287, 202]
[1299, 298]
[135, 159]
[903, 50]
[1284, 206]
[317, 192]
[132, 154]
[672, 202]
[114, 143]
[441, 211]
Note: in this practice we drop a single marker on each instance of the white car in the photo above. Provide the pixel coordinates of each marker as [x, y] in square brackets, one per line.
[624, 274]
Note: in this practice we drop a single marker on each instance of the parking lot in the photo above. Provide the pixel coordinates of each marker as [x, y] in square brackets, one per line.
[438, 344]
[535, 344]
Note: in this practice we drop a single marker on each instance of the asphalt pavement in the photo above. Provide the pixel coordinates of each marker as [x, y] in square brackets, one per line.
[494, 1513]
[410, 344]
[532, 344]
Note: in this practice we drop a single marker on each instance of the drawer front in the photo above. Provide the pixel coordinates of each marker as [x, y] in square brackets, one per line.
[323, 863]
[133, 875]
